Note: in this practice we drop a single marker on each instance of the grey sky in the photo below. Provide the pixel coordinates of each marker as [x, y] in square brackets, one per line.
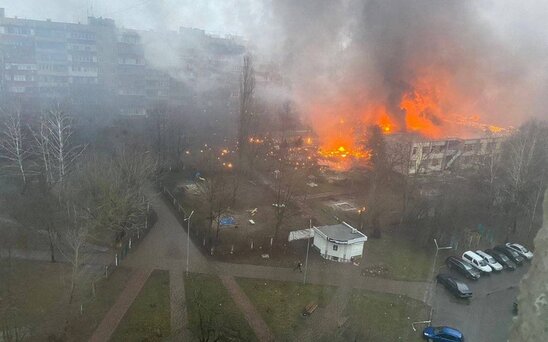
[226, 16]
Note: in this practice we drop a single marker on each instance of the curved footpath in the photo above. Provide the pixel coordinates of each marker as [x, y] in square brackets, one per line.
[165, 248]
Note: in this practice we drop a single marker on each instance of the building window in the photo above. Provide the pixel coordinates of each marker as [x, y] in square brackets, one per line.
[335, 247]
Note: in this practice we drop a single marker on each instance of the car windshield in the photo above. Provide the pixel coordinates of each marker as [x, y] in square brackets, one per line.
[467, 266]
[491, 260]
[482, 263]
[462, 287]
[524, 249]
[503, 257]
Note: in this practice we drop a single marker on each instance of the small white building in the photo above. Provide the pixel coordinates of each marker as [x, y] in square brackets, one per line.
[340, 242]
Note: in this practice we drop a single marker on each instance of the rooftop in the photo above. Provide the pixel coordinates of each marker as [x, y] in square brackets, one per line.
[341, 232]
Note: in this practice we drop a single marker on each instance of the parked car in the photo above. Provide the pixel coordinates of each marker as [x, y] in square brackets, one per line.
[524, 252]
[510, 253]
[502, 259]
[477, 261]
[463, 267]
[490, 260]
[515, 308]
[445, 334]
[456, 287]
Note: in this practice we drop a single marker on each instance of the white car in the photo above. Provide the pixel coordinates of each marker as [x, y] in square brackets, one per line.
[490, 260]
[477, 261]
[521, 250]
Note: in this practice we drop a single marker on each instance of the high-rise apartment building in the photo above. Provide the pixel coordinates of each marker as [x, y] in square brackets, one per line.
[44, 61]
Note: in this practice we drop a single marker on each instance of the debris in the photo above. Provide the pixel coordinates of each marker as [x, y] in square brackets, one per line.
[252, 212]
[312, 184]
[252, 222]
[276, 205]
[309, 309]
[265, 256]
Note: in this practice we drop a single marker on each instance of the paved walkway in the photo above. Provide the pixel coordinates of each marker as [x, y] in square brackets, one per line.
[251, 314]
[178, 308]
[165, 248]
[327, 274]
[113, 317]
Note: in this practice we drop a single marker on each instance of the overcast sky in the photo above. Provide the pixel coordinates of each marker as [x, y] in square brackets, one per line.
[242, 17]
[221, 16]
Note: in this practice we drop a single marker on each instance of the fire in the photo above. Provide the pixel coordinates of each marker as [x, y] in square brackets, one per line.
[433, 106]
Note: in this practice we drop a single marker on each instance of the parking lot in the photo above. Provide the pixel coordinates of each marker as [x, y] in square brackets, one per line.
[487, 316]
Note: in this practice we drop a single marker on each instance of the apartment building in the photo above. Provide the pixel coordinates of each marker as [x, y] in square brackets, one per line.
[436, 156]
[44, 61]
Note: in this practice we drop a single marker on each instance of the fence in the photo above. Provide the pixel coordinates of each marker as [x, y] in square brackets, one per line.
[131, 240]
[207, 242]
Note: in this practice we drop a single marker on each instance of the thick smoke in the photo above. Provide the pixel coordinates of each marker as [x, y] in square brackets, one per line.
[407, 62]
[436, 64]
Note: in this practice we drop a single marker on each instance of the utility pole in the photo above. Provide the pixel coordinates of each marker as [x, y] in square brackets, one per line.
[307, 249]
[188, 240]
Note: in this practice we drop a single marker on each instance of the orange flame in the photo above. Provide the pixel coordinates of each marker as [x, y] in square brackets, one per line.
[432, 107]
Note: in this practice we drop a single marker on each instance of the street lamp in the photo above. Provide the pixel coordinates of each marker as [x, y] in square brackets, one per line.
[188, 240]
[361, 211]
[307, 249]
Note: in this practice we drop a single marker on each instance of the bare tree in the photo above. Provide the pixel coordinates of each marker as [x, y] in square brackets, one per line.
[14, 145]
[247, 89]
[42, 150]
[58, 128]
[212, 327]
[75, 237]
[217, 195]
[525, 161]
[285, 182]
[113, 191]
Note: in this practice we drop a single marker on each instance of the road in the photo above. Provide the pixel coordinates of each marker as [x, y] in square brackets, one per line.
[487, 317]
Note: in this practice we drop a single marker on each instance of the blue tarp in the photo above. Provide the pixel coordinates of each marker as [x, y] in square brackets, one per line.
[227, 221]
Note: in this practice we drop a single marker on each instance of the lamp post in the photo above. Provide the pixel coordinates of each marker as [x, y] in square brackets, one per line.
[361, 211]
[188, 239]
[307, 249]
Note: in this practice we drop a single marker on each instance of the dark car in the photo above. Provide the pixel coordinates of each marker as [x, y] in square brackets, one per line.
[463, 267]
[502, 259]
[510, 253]
[442, 334]
[458, 288]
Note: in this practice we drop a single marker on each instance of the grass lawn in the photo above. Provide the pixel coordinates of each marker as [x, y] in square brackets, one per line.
[380, 317]
[38, 292]
[207, 296]
[403, 259]
[281, 303]
[107, 291]
[29, 293]
[148, 318]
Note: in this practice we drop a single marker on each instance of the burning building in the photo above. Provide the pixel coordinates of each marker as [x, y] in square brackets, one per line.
[433, 69]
